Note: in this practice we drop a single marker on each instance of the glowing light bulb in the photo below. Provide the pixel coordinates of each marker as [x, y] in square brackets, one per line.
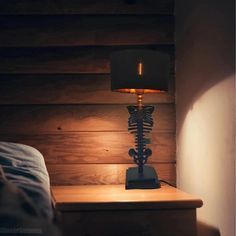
[140, 68]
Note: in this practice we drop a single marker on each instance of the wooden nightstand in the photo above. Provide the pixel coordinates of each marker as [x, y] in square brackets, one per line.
[110, 210]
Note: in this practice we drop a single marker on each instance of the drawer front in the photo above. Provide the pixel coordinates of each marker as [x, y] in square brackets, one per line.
[130, 223]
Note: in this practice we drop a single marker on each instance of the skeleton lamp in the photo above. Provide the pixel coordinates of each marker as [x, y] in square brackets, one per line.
[139, 72]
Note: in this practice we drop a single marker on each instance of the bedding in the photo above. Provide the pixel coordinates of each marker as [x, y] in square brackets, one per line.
[25, 198]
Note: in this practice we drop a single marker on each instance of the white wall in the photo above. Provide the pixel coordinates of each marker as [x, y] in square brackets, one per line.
[205, 109]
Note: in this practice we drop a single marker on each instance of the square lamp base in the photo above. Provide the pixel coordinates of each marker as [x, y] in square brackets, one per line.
[148, 180]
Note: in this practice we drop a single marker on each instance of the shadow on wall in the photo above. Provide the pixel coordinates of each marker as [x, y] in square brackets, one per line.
[206, 230]
[205, 52]
[205, 47]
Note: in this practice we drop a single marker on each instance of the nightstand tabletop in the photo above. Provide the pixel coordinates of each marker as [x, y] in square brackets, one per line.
[109, 197]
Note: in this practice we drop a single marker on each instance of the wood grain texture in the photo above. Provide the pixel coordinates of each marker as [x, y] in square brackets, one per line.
[43, 7]
[31, 119]
[127, 212]
[86, 174]
[74, 30]
[64, 59]
[94, 147]
[111, 197]
[55, 86]
[69, 89]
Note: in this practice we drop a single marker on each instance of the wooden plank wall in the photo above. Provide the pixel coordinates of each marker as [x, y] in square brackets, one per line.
[55, 85]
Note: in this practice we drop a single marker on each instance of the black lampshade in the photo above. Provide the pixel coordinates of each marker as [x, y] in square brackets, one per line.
[133, 70]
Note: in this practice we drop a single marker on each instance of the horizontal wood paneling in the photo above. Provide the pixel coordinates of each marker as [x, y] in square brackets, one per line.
[101, 173]
[55, 86]
[62, 60]
[38, 31]
[94, 147]
[32, 119]
[86, 7]
[69, 89]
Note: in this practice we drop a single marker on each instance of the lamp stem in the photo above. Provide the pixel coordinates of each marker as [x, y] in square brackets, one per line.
[140, 122]
[139, 136]
[140, 101]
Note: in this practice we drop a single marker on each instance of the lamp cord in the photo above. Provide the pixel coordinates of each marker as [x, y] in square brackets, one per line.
[166, 182]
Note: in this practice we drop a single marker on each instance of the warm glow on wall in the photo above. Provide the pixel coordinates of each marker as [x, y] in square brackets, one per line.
[204, 143]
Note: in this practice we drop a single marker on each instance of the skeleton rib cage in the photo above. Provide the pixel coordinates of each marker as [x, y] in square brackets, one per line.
[140, 123]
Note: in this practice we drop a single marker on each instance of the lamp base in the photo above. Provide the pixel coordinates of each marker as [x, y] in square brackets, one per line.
[148, 180]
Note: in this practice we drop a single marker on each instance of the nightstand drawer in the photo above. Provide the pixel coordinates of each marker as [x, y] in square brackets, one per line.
[130, 223]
